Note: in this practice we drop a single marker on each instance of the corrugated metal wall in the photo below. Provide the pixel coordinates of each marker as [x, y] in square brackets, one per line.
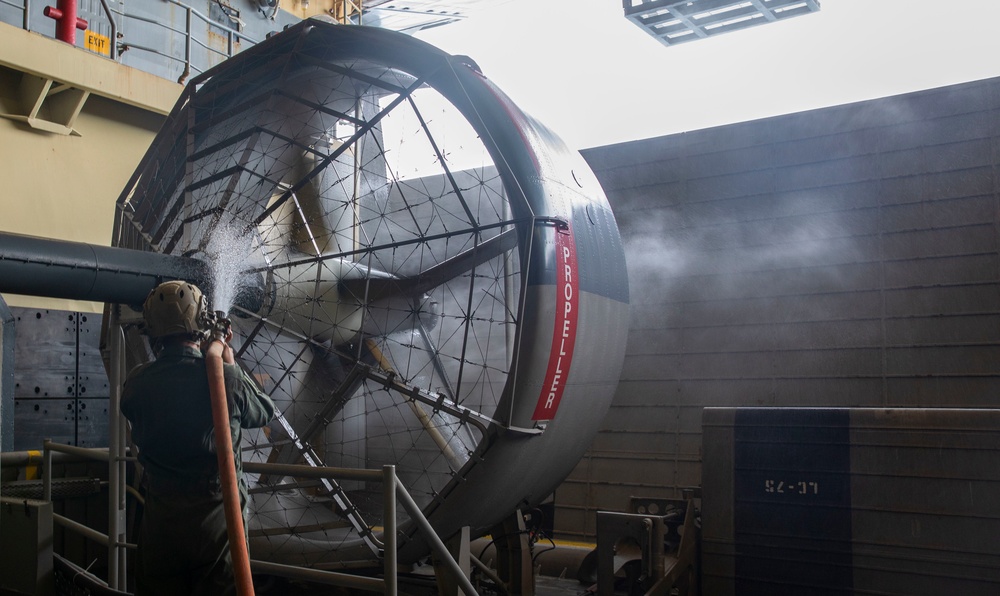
[838, 257]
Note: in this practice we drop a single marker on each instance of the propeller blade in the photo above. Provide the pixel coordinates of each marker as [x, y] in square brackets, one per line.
[375, 288]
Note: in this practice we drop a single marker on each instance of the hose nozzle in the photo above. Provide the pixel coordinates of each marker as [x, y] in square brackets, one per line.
[214, 325]
[221, 327]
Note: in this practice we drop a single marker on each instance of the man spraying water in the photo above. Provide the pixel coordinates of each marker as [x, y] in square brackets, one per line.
[183, 543]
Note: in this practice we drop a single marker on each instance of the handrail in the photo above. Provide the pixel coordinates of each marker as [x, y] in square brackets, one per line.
[114, 30]
[117, 449]
[21, 459]
[25, 11]
[393, 491]
[95, 454]
[209, 21]
[25, 8]
[190, 40]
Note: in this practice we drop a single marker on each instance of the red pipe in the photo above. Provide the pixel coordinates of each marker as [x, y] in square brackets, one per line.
[66, 20]
[227, 469]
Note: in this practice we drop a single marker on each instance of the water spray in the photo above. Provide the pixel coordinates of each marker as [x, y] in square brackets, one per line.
[226, 256]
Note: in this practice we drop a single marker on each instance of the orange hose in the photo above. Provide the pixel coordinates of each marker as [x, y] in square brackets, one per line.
[227, 470]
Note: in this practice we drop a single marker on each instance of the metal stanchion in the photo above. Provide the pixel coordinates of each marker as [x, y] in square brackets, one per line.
[389, 523]
[47, 472]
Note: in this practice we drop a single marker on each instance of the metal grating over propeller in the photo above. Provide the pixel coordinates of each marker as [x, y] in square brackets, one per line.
[435, 267]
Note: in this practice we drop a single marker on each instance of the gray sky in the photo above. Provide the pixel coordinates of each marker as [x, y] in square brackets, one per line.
[588, 73]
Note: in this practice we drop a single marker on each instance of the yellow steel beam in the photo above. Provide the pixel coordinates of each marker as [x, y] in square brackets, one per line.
[54, 60]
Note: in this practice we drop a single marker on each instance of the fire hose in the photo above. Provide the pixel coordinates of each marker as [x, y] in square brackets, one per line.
[221, 332]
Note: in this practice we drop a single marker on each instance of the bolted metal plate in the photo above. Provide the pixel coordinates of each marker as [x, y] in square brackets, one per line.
[92, 422]
[45, 354]
[60, 386]
[38, 419]
[92, 378]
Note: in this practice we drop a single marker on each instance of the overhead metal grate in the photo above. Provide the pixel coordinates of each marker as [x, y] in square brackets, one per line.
[409, 16]
[678, 21]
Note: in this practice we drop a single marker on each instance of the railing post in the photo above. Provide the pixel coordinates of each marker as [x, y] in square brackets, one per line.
[47, 471]
[434, 541]
[116, 459]
[389, 523]
[187, 43]
[114, 30]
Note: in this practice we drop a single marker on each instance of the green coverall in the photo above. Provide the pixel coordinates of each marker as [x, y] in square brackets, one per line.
[183, 546]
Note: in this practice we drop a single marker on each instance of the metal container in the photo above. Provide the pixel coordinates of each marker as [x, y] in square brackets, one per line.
[858, 500]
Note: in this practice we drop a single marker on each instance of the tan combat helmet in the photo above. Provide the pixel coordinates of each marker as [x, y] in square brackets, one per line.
[174, 308]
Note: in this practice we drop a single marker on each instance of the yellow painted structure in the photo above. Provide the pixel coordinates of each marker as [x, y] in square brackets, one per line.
[341, 10]
[74, 126]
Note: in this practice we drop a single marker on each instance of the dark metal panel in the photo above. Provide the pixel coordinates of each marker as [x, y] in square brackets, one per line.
[919, 187]
[92, 419]
[631, 441]
[937, 301]
[968, 360]
[791, 485]
[806, 363]
[936, 242]
[827, 173]
[964, 211]
[575, 522]
[7, 335]
[682, 204]
[810, 335]
[943, 330]
[654, 341]
[922, 492]
[785, 257]
[772, 237]
[652, 315]
[644, 393]
[938, 392]
[46, 353]
[781, 309]
[731, 185]
[695, 393]
[899, 304]
[689, 396]
[824, 148]
[727, 161]
[646, 197]
[647, 368]
[831, 391]
[632, 152]
[642, 420]
[720, 138]
[939, 131]
[38, 419]
[940, 158]
[92, 378]
[827, 121]
[58, 360]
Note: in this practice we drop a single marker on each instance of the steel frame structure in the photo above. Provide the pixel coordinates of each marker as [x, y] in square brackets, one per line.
[672, 22]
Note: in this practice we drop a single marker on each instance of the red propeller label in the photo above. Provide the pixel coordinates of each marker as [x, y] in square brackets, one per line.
[564, 336]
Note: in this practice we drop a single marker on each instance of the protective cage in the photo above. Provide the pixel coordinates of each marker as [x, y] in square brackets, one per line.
[430, 268]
